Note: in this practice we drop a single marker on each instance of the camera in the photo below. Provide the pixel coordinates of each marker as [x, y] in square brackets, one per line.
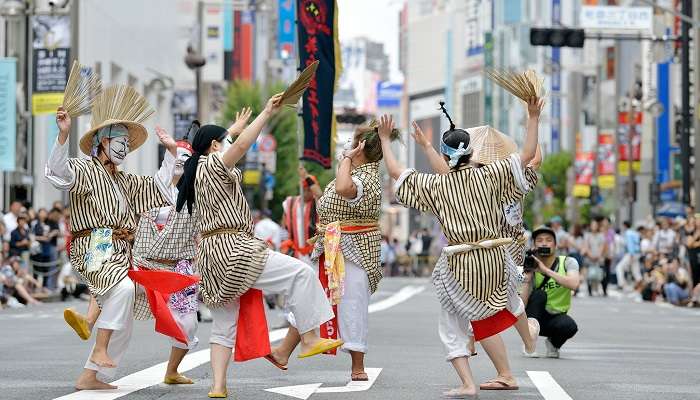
[529, 263]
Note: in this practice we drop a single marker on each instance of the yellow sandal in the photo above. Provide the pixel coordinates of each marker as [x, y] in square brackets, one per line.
[77, 322]
[322, 346]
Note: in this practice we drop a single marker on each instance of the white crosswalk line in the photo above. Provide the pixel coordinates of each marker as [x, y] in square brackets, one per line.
[548, 387]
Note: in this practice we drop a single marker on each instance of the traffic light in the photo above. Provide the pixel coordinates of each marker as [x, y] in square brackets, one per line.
[557, 37]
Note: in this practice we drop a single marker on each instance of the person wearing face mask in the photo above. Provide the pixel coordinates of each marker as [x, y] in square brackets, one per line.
[234, 265]
[104, 204]
[349, 245]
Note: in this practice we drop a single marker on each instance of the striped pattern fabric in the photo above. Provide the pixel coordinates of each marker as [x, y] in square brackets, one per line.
[229, 263]
[176, 241]
[95, 203]
[360, 248]
[468, 203]
[517, 230]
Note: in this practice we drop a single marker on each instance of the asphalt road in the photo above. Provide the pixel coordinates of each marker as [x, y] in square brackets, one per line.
[624, 350]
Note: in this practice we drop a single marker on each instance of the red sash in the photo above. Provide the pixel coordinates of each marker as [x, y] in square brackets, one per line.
[329, 329]
[159, 285]
[492, 325]
[252, 336]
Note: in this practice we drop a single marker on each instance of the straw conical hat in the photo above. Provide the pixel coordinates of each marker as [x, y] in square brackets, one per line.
[489, 145]
[119, 104]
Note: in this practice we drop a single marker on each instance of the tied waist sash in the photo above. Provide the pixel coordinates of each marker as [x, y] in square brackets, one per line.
[124, 234]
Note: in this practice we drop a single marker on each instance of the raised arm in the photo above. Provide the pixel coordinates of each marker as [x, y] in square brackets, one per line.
[250, 133]
[57, 170]
[344, 185]
[534, 109]
[437, 163]
[315, 188]
[386, 125]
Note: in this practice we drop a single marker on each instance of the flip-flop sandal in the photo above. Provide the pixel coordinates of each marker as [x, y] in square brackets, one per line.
[322, 347]
[275, 363]
[77, 322]
[215, 395]
[178, 379]
[359, 377]
[503, 385]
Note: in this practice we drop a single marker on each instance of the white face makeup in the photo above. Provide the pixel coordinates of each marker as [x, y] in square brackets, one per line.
[182, 156]
[117, 149]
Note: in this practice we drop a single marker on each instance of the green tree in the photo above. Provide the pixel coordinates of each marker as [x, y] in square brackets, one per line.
[283, 127]
[549, 198]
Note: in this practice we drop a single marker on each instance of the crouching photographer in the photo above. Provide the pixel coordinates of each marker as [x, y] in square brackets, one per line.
[549, 281]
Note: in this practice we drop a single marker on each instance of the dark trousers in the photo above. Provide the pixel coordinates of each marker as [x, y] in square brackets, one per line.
[557, 327]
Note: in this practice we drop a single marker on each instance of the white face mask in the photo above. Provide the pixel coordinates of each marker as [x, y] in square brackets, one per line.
[117, 149]
[182, 156]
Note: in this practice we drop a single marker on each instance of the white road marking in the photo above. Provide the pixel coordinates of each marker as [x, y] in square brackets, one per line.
[303, 392]
[548, 387]
[154, 375]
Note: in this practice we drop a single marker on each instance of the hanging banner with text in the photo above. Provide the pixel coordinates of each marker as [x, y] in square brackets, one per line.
[51, 58]
[318, 40]
[623, 143]
[8, 113]
[583, 167]
[606, 160]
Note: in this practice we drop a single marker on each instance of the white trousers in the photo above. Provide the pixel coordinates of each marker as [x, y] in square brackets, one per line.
[353, 310]
[629, 262]
[118, 315]
[281, 275]
[455, 331]
[188, 324]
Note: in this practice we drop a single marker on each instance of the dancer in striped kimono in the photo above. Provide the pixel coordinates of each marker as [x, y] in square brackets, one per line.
[348, 247]
[475, 277]
[489, 146]
[231, 260]
[104, 203]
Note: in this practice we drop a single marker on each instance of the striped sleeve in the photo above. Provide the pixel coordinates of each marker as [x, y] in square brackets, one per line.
[416, 190]
[143, 193]
[215, 164]
[81, 169]
[531, 178]
[508, 178]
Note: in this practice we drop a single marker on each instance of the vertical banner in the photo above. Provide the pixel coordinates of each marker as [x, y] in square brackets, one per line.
[285, 30]
[51, 57]
[583, 167]
[213, 42]
[623, 140]
[243, 45]
[606, 160]
[488, 85]
[318, 40]
[228, 41]
[8, 123]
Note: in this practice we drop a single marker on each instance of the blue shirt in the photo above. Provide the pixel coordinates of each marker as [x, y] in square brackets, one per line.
[632, 241]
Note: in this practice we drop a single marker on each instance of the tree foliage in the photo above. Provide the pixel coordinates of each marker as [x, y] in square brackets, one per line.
[549, 198]
[283, 127]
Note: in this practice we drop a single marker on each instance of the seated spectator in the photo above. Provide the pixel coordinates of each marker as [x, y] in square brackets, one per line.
[14, 289]
[70, 285]
[676, 287]
[19, 238]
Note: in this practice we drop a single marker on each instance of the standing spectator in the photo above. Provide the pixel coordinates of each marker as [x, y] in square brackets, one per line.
[693, 245]
[665, 239]
[576, 244]
[609, 232]
[46, 232]
[630, 260]
[647, 245]
[10, 219]
[19, 238]
[562, 236]
[596, 253]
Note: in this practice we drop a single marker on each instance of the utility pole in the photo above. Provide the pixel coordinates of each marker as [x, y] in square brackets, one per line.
[696, 120]
[686, 9]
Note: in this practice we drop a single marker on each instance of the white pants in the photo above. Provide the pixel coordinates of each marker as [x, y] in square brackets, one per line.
[353, 310]
[281, 275]
[118, 315]
[188, 324]
[629, 262]
[455, 331]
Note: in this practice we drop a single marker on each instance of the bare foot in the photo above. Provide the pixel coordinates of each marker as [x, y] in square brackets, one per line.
[279, 357]
[92, 383]
[101, 359]
[462, 392]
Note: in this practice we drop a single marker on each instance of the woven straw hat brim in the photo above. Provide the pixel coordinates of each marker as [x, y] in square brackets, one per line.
[137, 135]
[489, 145]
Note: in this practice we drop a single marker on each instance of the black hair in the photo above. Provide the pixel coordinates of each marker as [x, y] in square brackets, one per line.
[454, 137]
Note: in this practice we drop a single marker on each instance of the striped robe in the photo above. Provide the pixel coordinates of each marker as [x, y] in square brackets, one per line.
[514, 228]
[363, 249]
[95, 203]
[229, 263]
[176, 241]
[468, 203]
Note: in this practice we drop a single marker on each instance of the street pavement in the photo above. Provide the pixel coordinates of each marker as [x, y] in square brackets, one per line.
[624, 350]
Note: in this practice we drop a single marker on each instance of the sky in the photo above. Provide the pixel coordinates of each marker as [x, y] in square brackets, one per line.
[377, 20]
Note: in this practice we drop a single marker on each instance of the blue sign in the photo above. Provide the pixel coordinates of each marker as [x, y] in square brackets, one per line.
[8, 123]
[228, 26]
[285, 30]
[389, 94]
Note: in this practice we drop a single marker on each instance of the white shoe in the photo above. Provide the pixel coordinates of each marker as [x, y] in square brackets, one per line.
[552, 352]
[530, 355]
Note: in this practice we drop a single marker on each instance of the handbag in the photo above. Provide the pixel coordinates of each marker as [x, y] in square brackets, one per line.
[595, 273]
